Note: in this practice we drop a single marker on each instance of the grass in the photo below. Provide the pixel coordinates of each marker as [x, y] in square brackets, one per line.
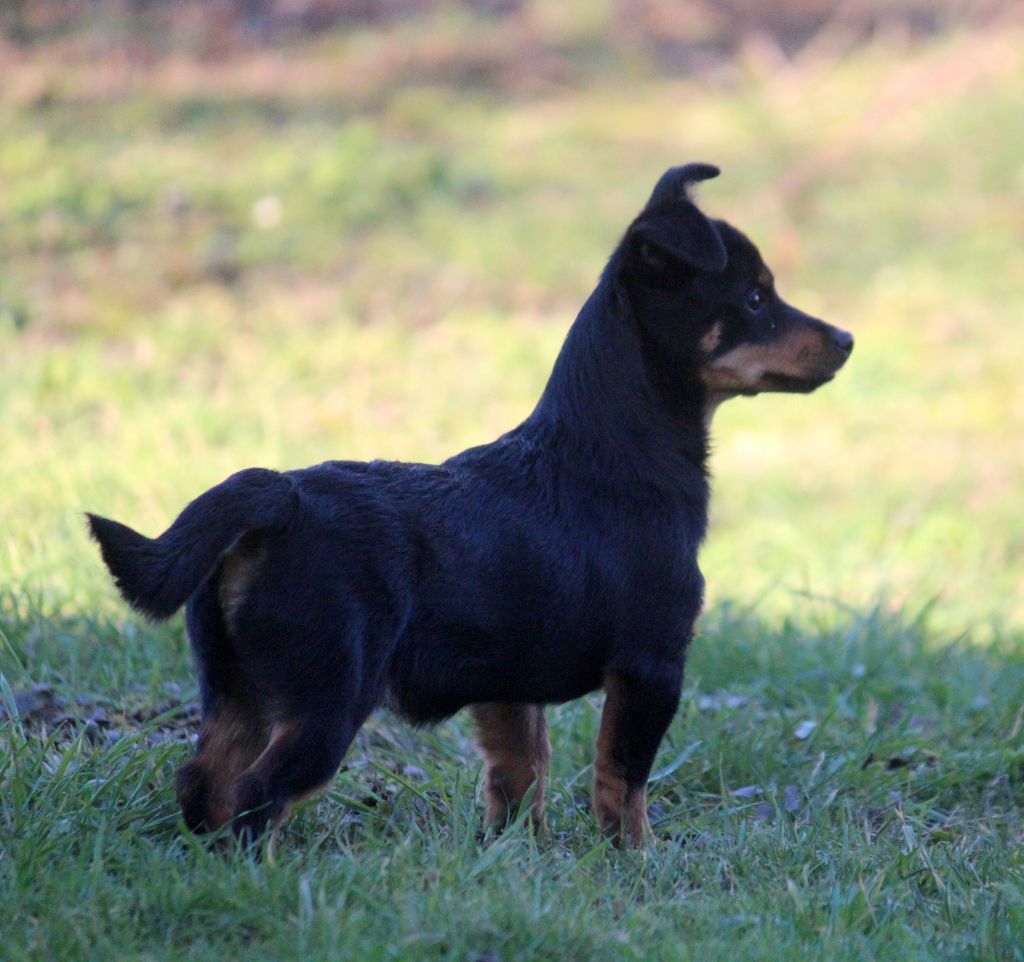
[889, 828]
[200, 276]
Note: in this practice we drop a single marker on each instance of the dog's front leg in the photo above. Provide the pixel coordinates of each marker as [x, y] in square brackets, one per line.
[636, 714]
[514, 741]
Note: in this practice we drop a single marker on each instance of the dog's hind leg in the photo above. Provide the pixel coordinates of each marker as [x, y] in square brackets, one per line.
[232, 737]
[301, 756]
[514, 741]
[234, 730]
[636, 714]
[313, 644]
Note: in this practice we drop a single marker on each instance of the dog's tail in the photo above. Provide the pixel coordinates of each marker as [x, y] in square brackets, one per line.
[157, 576]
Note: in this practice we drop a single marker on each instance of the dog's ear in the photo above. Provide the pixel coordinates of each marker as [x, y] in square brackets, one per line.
[671, 223]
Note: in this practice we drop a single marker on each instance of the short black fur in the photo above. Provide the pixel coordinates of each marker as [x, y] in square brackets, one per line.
[531, 570]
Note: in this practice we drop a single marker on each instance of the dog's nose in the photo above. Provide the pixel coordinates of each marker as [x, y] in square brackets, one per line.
[842, 339]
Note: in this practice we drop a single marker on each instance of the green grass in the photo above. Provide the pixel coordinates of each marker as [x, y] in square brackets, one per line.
[891, 830]
[402, 294]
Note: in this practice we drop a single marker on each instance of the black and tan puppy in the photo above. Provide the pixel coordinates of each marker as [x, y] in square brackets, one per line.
[559, 559]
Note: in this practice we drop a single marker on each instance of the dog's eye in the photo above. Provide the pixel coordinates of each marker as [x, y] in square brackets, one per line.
[756, 299]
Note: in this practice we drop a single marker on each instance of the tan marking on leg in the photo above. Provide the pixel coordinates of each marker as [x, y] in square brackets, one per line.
[280, 734]
[620, 809]
[514, 741]
[231, 738]
[265, 772]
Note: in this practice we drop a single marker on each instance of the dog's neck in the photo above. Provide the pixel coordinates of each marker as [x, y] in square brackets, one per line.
[603, 410]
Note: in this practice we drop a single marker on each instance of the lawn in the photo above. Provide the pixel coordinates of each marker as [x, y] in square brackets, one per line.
[214, 267]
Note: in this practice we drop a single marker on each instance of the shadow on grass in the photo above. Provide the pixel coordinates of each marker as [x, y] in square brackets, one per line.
[855, 778]
[773, 715]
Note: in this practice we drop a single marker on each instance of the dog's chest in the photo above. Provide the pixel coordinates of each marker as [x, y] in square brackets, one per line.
[655, 585]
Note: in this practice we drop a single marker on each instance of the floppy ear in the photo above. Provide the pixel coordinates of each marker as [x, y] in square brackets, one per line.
[672, 223]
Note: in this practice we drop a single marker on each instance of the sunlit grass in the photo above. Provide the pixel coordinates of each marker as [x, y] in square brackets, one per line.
[405, 288]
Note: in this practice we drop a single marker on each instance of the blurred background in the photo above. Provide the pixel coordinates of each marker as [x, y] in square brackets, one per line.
[280, 232]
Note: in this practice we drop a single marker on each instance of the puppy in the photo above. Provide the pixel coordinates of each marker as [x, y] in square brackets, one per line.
[558, 559]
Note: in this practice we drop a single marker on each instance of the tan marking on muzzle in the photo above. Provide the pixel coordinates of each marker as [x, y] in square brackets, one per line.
[804, 352]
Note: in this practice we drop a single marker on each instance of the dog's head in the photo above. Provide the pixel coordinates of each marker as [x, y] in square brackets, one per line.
[706, 300]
